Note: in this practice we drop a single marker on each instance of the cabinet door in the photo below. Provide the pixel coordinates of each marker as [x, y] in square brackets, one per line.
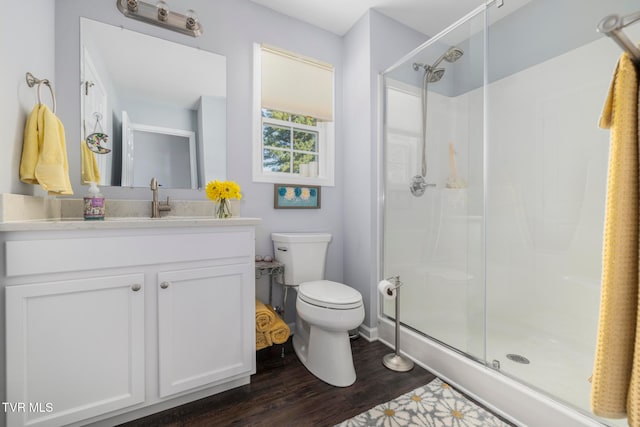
[75, 349]
[206, 326]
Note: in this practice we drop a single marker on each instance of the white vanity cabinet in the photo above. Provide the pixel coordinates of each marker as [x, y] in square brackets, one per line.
[108, 325]
[207, 309]
[75, 348]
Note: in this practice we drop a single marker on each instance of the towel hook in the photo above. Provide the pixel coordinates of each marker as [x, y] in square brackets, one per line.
[32, 81]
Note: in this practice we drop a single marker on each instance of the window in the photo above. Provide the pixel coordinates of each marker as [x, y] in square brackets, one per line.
[288, 142]
[294, 132]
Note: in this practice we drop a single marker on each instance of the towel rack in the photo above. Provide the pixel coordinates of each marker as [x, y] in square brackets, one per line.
[32, 81]
[613, 26]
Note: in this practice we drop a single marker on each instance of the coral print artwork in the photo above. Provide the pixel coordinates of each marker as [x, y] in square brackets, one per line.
[296, 196]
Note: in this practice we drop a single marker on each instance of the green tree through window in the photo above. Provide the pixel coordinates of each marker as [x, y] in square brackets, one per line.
[288, 141]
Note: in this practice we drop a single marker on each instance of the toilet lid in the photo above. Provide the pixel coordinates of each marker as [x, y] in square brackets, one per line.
[325, 293]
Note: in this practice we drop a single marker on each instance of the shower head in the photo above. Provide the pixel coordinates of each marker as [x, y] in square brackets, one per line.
[451, 55]
[431, 74]
[434, 74]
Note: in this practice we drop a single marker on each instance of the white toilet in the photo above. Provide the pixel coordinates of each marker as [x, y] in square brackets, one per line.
[326, 310]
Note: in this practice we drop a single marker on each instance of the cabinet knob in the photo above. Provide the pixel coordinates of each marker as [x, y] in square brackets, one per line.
[164, 285]
[136, 287]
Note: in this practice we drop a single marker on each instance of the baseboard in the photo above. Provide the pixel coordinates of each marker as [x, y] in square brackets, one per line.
[369, 334]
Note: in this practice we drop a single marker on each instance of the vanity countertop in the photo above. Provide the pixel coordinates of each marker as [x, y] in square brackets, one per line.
[124, 222]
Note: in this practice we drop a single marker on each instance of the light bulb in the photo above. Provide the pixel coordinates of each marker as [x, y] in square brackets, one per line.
[163, 10]
[192, 19]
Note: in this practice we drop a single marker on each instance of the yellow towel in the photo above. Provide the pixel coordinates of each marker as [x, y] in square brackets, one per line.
[615, 391]
[30, 149]
[270, 328]
[263, 340]
[265, 316]
[90, 171]
[44, 152]
[279, 332]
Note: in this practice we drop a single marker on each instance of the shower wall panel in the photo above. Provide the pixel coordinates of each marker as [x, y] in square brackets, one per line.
[545, 203]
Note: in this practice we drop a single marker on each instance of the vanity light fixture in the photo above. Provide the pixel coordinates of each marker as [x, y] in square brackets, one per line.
[163, 11]
[158, 13]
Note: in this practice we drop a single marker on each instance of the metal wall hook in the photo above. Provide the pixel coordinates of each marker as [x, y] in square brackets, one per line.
[32, 81]
[88, 85]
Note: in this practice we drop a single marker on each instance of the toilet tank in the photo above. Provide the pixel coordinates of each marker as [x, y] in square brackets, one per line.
[303, 255]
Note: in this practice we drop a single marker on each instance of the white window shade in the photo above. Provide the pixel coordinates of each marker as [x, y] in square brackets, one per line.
[296, 85]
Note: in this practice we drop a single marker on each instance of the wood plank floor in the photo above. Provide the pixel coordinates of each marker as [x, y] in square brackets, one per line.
[284, 393]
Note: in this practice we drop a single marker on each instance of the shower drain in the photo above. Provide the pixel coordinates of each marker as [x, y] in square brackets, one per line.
[518, 359]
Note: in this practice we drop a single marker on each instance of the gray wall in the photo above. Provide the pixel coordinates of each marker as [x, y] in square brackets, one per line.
[231, 28]
[536, 32]
[359, 143]
[518, 42]
[147, 112]
[34, 53]
[213, 133]
[373, 44]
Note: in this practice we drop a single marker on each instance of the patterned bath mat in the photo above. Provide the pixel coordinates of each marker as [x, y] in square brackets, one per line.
[436, 404]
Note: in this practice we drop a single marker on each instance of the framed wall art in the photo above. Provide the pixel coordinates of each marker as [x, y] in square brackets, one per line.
[291, 196]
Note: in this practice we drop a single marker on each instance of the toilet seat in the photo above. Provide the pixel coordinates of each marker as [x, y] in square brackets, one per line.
[328, 294]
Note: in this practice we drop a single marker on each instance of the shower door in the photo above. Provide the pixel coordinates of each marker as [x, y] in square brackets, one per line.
[546, 187]
[500, 256]
[433, 240]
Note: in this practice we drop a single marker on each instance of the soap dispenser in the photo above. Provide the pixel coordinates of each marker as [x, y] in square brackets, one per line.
[93, 203]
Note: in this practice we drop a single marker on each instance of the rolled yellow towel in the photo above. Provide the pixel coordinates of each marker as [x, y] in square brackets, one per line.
[263, 340]
[279, 332]
[265, 316]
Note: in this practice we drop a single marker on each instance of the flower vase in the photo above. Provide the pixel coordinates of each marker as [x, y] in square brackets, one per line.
[234, 205]
[223, 209]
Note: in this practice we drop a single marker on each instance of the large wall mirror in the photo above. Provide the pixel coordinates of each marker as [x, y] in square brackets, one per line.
[162, 106]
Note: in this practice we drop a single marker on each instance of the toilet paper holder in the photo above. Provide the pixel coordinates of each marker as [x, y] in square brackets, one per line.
[395, 361]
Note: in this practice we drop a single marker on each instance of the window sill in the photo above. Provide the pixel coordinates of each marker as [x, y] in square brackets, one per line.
[294, 179]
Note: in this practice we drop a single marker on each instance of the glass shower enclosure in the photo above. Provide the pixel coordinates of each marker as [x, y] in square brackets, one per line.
[495, 177]
[433, 132]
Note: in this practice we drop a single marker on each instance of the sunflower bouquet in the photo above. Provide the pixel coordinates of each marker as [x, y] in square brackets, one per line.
[221, 192]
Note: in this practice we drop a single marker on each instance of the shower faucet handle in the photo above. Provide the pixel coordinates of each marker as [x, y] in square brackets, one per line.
[418, 185]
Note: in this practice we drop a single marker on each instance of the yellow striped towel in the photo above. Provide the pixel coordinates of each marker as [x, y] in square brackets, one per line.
[615, 391]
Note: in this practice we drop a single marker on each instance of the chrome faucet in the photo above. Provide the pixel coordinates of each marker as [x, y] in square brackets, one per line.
[156, 206]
